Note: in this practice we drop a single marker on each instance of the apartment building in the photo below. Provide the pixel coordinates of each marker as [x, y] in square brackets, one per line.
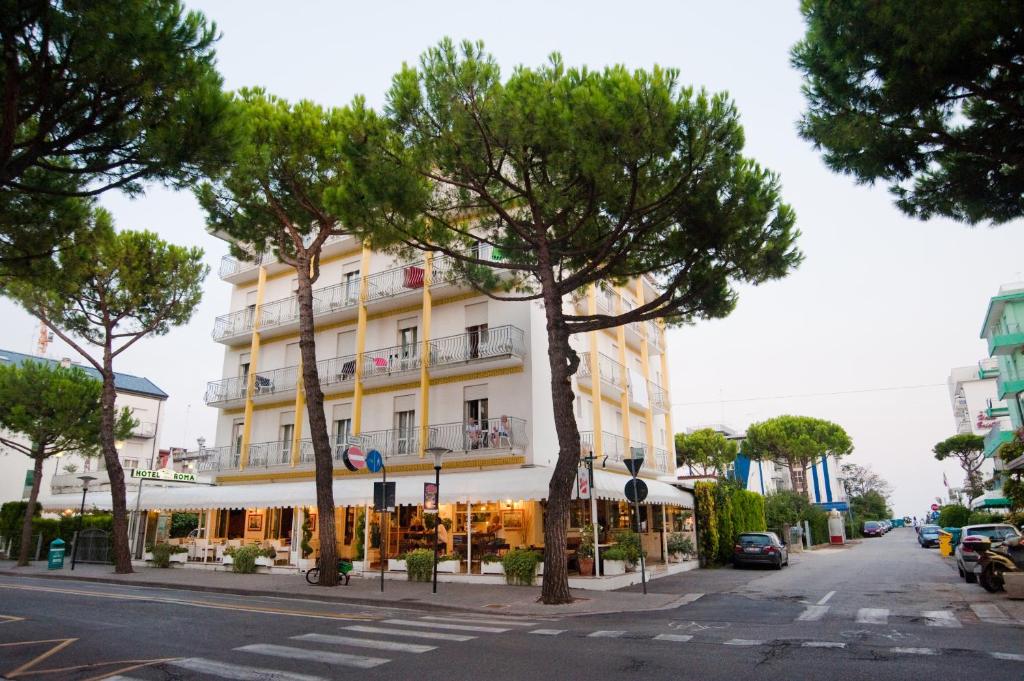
[61, 474]
[977, 408]
[412, 360]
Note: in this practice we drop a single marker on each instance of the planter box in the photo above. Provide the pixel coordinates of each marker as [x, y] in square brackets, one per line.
[305, 564]
[228, 560]
[540, 568]
[449, 567]
[357, 566]
[1014, 584]
[495, 568]
[395, 565]
[263, 561]
[614, 567]
[148, 555]
[179, 558]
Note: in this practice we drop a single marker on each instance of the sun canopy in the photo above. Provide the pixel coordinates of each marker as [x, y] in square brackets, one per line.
[527, 483]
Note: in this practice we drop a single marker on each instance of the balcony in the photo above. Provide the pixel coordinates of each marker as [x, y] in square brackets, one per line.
[654, 346]
[502, 346]
[144, 430]
[236, 271]
[634, 333]
[494, 437]
[655, 397]
[1008, 386]
[1004, 338]
[616, 448]
[988, 368]
[612, 374]
[995, 438]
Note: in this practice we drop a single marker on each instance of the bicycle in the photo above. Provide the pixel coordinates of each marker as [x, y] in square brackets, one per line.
[344, 568]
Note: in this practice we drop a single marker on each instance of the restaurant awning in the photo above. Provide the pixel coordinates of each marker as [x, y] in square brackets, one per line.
[518, 484]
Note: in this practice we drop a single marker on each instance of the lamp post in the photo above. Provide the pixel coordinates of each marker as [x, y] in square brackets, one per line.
[86, 479]
[437, 452]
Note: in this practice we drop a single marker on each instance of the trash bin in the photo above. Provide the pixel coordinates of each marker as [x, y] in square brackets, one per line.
[945, 543]
[957, 533]
[55, 558]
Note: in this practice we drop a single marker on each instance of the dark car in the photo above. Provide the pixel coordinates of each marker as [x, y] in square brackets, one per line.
[760, 548]
[873, 528]
[928, 535]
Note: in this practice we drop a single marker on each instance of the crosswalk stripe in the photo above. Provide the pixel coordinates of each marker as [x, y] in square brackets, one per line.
[990, 612]
[443, 625]
[744, 642]
[1013, 657]
[941, 618]
[915, 651]
[606, 634]
[122, 678]
[435, 635]
[822, 644]
[366, 643]
[813, 613]
[873, 616]
[344, 659]
[547, 632]
[239, 672]
[510, 623]
[678, 638]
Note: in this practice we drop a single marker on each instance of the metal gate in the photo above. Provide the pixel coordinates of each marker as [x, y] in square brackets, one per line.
[93, 546]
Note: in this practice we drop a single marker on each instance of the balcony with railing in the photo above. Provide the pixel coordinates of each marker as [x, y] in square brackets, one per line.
[245, 270]
[230, 392]
[996, 437]
[493, 437]
[144, 430]
[1005, 337]
[496, 347]
[617, 448]
[654, 346]
[612, 374]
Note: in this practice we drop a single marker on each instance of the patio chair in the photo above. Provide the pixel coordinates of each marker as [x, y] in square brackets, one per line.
[264, 385]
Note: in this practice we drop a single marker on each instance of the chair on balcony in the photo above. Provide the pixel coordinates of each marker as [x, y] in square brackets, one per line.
[264, 385]
[348, 370]
[413, 277]
[501, 433]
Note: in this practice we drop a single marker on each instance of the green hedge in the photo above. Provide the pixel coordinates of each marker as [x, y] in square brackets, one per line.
[723, 512]
[707, 521]
[954, 515]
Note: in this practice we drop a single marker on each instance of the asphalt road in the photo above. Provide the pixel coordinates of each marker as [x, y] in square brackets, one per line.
[884, 609]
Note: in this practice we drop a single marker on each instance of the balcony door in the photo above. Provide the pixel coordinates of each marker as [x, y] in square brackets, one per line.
[405, 431]
[477, 427]
[408, 345]
[351, 289]
[476, 337]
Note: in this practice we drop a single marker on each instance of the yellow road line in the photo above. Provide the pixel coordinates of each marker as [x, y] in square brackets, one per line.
[5, 619]
[63, 643]
[195, 603]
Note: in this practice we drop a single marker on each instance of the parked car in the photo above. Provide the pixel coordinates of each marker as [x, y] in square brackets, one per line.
[966, 559]
[928, 535]
[760, 548]
[873, 528]
[887, 525]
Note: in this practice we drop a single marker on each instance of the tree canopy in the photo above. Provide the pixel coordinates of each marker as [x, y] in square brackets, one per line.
[796, 441]
[927, 96]
[860, 480]
[969, 450]
[871, 505]
[544, 184]
[706, 451]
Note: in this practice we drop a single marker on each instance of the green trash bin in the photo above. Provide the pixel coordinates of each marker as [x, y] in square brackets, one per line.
[55, 557]
[957, 532]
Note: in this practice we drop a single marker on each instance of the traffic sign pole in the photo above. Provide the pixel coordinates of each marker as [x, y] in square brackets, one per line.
[384, 536]
[635, 491]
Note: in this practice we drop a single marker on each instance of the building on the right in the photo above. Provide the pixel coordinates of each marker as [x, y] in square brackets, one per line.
[1003, 330]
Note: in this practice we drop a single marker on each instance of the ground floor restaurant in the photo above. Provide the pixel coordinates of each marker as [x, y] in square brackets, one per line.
[483, 514]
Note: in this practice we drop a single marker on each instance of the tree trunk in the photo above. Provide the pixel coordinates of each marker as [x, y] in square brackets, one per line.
[563, 361]
[108, 419]
[26, 528]
[322, 454]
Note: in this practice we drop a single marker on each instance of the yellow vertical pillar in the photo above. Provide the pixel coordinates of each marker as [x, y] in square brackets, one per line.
[428, 276]
[595, 375]
[300, 405]
[669, 435]
[254, 358]
[645, 361]
[620, 337]
[357, 397]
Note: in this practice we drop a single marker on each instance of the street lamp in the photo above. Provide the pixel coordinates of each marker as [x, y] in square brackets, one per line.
[437, 453]
[86, 479]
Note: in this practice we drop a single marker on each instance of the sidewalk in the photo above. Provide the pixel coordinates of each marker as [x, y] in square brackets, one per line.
[495, 599]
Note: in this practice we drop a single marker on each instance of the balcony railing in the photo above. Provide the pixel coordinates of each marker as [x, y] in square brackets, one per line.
[653, 336]
[234, 323]
[225, 390]
[615, 447]
[268, 454]
[608, 369]
[995, 438]
[226, 458]
[230, 266]
[661, 459]
[466, 347]
[657, 396]
[144, 429]
[264, 383]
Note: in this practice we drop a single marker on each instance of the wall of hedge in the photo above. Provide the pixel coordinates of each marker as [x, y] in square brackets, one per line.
[707, 522]
[723, 512]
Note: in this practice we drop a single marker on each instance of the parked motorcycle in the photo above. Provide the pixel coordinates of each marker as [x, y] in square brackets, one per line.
[995, 560]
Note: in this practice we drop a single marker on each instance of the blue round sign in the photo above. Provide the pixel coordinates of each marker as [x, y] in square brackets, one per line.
[374, 461]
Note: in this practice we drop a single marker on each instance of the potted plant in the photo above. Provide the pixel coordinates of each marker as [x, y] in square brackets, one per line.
[245, 558]
[521, 566]
[165, 554]
[629, 541]
[420, 565]
[148, 553]
[680, 547]
[397, 564]
[585, 553]
[449, 563]
[305, 548]
[490, 564]
[229, 556]
[615, 558]
[359, 544]
[266, 556]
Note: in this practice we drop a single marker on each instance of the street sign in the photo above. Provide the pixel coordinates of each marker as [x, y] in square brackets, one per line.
[165, 474]
[935, 507]
[633, 465]
[353, 458]
[383, 496]
[374, 461]
[429, 497]
[636, 490]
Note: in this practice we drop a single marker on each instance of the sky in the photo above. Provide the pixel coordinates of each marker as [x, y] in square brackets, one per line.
[864, 333]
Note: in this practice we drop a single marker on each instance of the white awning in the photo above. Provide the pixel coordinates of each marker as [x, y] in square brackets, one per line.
[517, 484]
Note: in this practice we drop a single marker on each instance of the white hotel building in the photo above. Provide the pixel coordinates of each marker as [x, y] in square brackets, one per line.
[411, 357]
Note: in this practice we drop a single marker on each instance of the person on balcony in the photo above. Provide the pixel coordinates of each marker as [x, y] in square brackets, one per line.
[473, 433]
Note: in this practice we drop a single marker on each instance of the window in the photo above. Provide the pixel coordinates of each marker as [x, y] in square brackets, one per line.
[236, 436]
[351, 281]
[477, 335]
[291, 354]
[131, 463]
[243, 366]
[405, 431]
[285, 435]
[407, 339]
[342, 430]
[477, 426]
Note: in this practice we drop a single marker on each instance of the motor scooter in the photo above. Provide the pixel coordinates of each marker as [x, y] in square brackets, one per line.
[996, 559]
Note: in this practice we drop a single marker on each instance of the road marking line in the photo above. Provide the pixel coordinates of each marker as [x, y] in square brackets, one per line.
[743, 642]
[547, 632]
[678, 638]
[813, 613]
[941, 618]
[822, 644]
[606, 634]
[688, 598]
[122, 678]
[873, 616]
[62, 643]
[239, 672]
[826, 598]
[990, 612]
[441, 625]
[366, 643]
[1014, 657]
[914, 651]
[436, 618]
[7, 619]
[287, 652]
[436, 635]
